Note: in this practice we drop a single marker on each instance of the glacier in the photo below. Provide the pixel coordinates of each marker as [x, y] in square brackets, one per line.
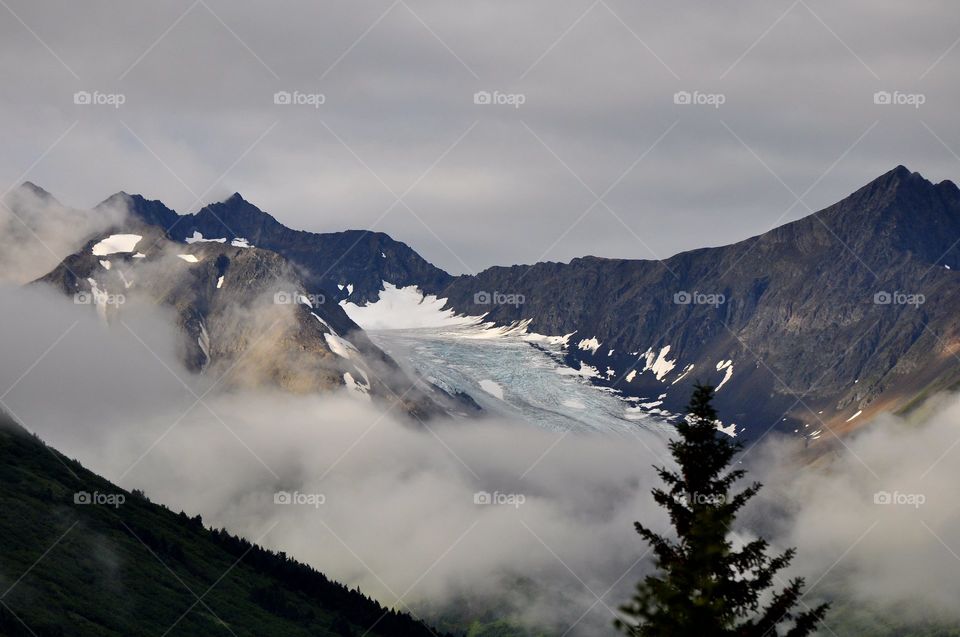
[509, 372]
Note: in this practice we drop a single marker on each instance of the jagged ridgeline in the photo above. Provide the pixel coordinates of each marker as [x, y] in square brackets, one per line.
[820, 323]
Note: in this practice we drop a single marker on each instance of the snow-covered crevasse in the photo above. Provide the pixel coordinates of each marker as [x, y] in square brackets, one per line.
[508, 371]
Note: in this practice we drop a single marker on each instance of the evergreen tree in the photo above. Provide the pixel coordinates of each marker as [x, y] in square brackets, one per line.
[703, 586]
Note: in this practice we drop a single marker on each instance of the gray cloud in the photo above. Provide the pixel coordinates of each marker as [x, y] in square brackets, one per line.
[115, 404]
[101, 395]
[37, 232]
[399, 99]
[878, 520]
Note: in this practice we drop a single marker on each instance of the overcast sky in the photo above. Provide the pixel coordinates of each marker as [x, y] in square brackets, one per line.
[484, 184]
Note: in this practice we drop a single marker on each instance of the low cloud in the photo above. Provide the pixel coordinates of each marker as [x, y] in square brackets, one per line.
[413, 515]
[450, 517]
[37, 232]
[878, 520]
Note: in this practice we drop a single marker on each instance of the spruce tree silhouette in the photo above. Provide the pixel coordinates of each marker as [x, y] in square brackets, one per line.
[703, 586]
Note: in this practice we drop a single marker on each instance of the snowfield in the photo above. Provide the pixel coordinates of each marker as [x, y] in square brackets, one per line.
[116, 243]
[404, 308]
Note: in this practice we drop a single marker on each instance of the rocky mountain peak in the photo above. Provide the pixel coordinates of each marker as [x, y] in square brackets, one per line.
[141, 209]
[234, 217]
[35, 190]
[899, 184]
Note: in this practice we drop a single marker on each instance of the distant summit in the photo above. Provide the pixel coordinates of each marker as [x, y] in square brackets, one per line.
[361, 258]
[34, 189]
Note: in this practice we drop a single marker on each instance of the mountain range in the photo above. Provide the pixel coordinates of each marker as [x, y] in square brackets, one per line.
[814, 326]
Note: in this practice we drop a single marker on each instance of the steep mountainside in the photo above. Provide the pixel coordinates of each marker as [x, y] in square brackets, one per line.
[854, 308]
[247, 316]
[81, 556]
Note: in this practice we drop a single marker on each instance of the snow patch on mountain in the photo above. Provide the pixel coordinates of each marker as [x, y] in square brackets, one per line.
[353, 384]
[730, 430]
[589, 345]
[198, 238]
[686, 370]
[322, 322]
[533, 337]
[340, 346]
[116, 243]
[204, 342]
[726, 367]
[660, 365]
[100, 298]
[189, 258]
[404, 308]
[408, 308]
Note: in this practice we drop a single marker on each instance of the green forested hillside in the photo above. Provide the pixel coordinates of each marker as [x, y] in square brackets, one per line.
[70, 568]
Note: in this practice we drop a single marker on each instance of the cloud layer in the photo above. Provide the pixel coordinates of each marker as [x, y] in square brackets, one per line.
[389, 506]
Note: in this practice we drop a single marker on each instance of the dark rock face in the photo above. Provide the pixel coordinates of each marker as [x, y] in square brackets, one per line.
[246, 317]
[821, 317]
[360, 258]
